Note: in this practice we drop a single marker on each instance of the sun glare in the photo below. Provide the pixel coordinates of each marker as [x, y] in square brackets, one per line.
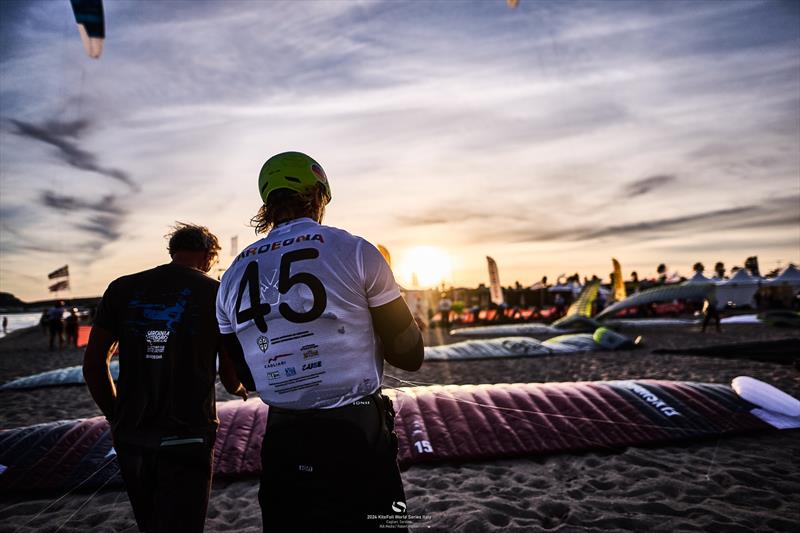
[425, 267]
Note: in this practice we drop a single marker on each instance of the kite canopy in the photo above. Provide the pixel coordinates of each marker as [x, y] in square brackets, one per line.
[91, 25]
[437, 423]
[71, 375]
[664, 293]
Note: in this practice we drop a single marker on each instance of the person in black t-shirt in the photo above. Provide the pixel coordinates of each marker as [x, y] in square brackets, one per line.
[162, 411]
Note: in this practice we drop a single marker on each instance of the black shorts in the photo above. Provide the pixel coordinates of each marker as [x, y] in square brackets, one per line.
[331, 469]
[168, 486]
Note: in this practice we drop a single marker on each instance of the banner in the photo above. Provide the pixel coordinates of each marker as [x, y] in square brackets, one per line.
[494, 282]
[60, 286]
[619, 284]
[62, 272]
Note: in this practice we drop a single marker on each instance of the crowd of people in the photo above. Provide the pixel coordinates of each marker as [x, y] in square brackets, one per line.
[61, 325]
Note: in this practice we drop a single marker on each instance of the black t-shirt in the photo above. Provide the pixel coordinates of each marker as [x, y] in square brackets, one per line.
[165, 321]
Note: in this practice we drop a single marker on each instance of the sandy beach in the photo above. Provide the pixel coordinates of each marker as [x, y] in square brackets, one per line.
[743, 483]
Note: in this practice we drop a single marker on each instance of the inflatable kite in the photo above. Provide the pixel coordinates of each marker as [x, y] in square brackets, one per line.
[577, 319]
[439, 423]
[91, 25]
[665, 293]
[71, 375]
[601, 339]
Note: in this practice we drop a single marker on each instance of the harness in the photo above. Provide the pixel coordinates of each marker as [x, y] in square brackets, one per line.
[372, 414]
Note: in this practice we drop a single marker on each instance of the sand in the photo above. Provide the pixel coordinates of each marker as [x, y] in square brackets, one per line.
[743, 483]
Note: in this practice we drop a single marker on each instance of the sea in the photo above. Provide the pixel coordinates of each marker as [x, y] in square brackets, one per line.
[18, 321]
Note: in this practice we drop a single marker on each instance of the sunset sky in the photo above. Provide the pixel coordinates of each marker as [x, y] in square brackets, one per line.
[551, 137]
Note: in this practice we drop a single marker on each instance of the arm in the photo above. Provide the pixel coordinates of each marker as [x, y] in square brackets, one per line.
[235, 364]
[399, 333]
[96, 372]
[227, 370]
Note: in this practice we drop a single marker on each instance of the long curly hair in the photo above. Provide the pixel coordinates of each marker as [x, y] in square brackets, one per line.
[285, 204]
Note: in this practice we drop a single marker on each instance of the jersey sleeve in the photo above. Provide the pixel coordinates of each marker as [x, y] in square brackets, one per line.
[379, 282]
[224, 322]
[106, 316]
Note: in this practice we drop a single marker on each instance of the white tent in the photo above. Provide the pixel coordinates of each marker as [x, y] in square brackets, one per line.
[738, 291]
[789, 276]
[572, 287]
[697, 279]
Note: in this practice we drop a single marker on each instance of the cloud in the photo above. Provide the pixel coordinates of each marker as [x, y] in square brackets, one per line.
[645, 185]
[774, 213]
[105, 226]
[63, 135]
[71, 203]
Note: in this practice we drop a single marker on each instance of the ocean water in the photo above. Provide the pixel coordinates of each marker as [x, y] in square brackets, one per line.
[19, 321]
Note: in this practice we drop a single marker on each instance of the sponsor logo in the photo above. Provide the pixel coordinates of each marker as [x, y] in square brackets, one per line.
[277, 358]
[263, 343]
[305, 468]
[309, 366]
[399, 507]
[652, 399]
[290, 371]
[157, 336]
[273, 375]
[308, 354]
[156, 344]
[319, 173]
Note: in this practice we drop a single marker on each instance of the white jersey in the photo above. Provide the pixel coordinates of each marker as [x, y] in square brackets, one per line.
[298, 302]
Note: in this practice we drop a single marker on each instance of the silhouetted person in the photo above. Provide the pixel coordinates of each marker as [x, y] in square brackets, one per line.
[662, 273]
[445, 305]
[599, 302]
[719, 269]
[710, 312]
[71, 327]
[5, 324]
[55, 324]
[560, 304]
[43, 323]
[162, 410]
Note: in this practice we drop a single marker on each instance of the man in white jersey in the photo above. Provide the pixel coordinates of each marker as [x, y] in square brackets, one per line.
[310, 312]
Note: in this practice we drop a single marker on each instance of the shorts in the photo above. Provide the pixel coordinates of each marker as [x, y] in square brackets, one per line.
[168, 486]
[331, 469]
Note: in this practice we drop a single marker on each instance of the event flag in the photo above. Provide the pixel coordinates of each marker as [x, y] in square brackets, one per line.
[62, 272]
[494, 282]
[60, 286]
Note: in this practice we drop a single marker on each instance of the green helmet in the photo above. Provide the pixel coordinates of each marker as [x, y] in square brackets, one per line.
[294, 171]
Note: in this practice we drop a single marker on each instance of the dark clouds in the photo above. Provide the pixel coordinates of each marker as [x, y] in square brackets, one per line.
[771, 214]
[102, 218]
[645, 185]
[64, 136]
[105, 223]
[104, 226]
[71, 203]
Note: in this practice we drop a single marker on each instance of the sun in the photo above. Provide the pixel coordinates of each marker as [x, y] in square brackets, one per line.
[425, 267]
